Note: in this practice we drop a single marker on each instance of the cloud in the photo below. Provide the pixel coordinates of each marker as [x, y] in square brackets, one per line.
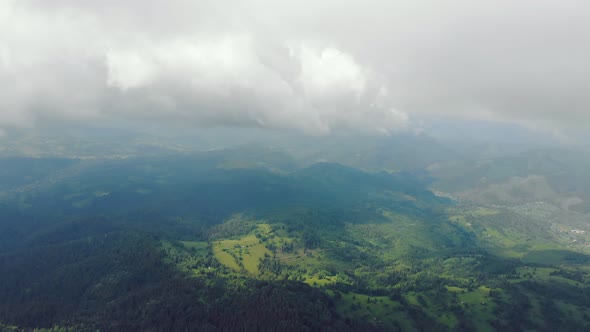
[315, 67]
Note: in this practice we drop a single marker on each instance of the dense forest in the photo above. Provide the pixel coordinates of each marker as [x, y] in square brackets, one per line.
[161, 244]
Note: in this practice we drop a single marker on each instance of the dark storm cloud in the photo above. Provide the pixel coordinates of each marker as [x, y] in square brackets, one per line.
[305, 65]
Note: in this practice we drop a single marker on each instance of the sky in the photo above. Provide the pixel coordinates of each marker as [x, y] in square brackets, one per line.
[312, 66]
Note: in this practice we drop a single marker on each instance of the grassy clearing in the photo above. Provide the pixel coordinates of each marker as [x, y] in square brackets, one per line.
[543, 273]
[478, 306]
[454, 289]
[315, 280]
[225, 257]
[240, 255]
[475, 297]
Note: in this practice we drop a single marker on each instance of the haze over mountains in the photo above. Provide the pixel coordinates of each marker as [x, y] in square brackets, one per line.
[379, 232]
[255, 165]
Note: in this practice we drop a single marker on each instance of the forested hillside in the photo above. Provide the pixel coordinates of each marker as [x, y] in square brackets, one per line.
[187, 243]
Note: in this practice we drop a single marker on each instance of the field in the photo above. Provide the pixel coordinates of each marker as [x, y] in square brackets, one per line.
[240, 255]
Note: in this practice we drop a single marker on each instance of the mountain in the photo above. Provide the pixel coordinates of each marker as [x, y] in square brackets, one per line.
[259, 239]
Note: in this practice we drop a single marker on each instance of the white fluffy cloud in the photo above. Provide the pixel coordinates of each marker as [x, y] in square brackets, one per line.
[311, 66]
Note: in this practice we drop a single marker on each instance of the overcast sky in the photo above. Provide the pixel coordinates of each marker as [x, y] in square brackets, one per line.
[315, 66]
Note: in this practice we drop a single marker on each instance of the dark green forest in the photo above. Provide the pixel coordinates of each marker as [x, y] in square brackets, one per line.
[188, 243]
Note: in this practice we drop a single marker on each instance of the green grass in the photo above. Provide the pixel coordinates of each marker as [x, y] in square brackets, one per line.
[393, 241]
[248, 248]
[475, 297]
[454, 289]
[225, 258]
[315, 280]
[478, 305]
[544, 274]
